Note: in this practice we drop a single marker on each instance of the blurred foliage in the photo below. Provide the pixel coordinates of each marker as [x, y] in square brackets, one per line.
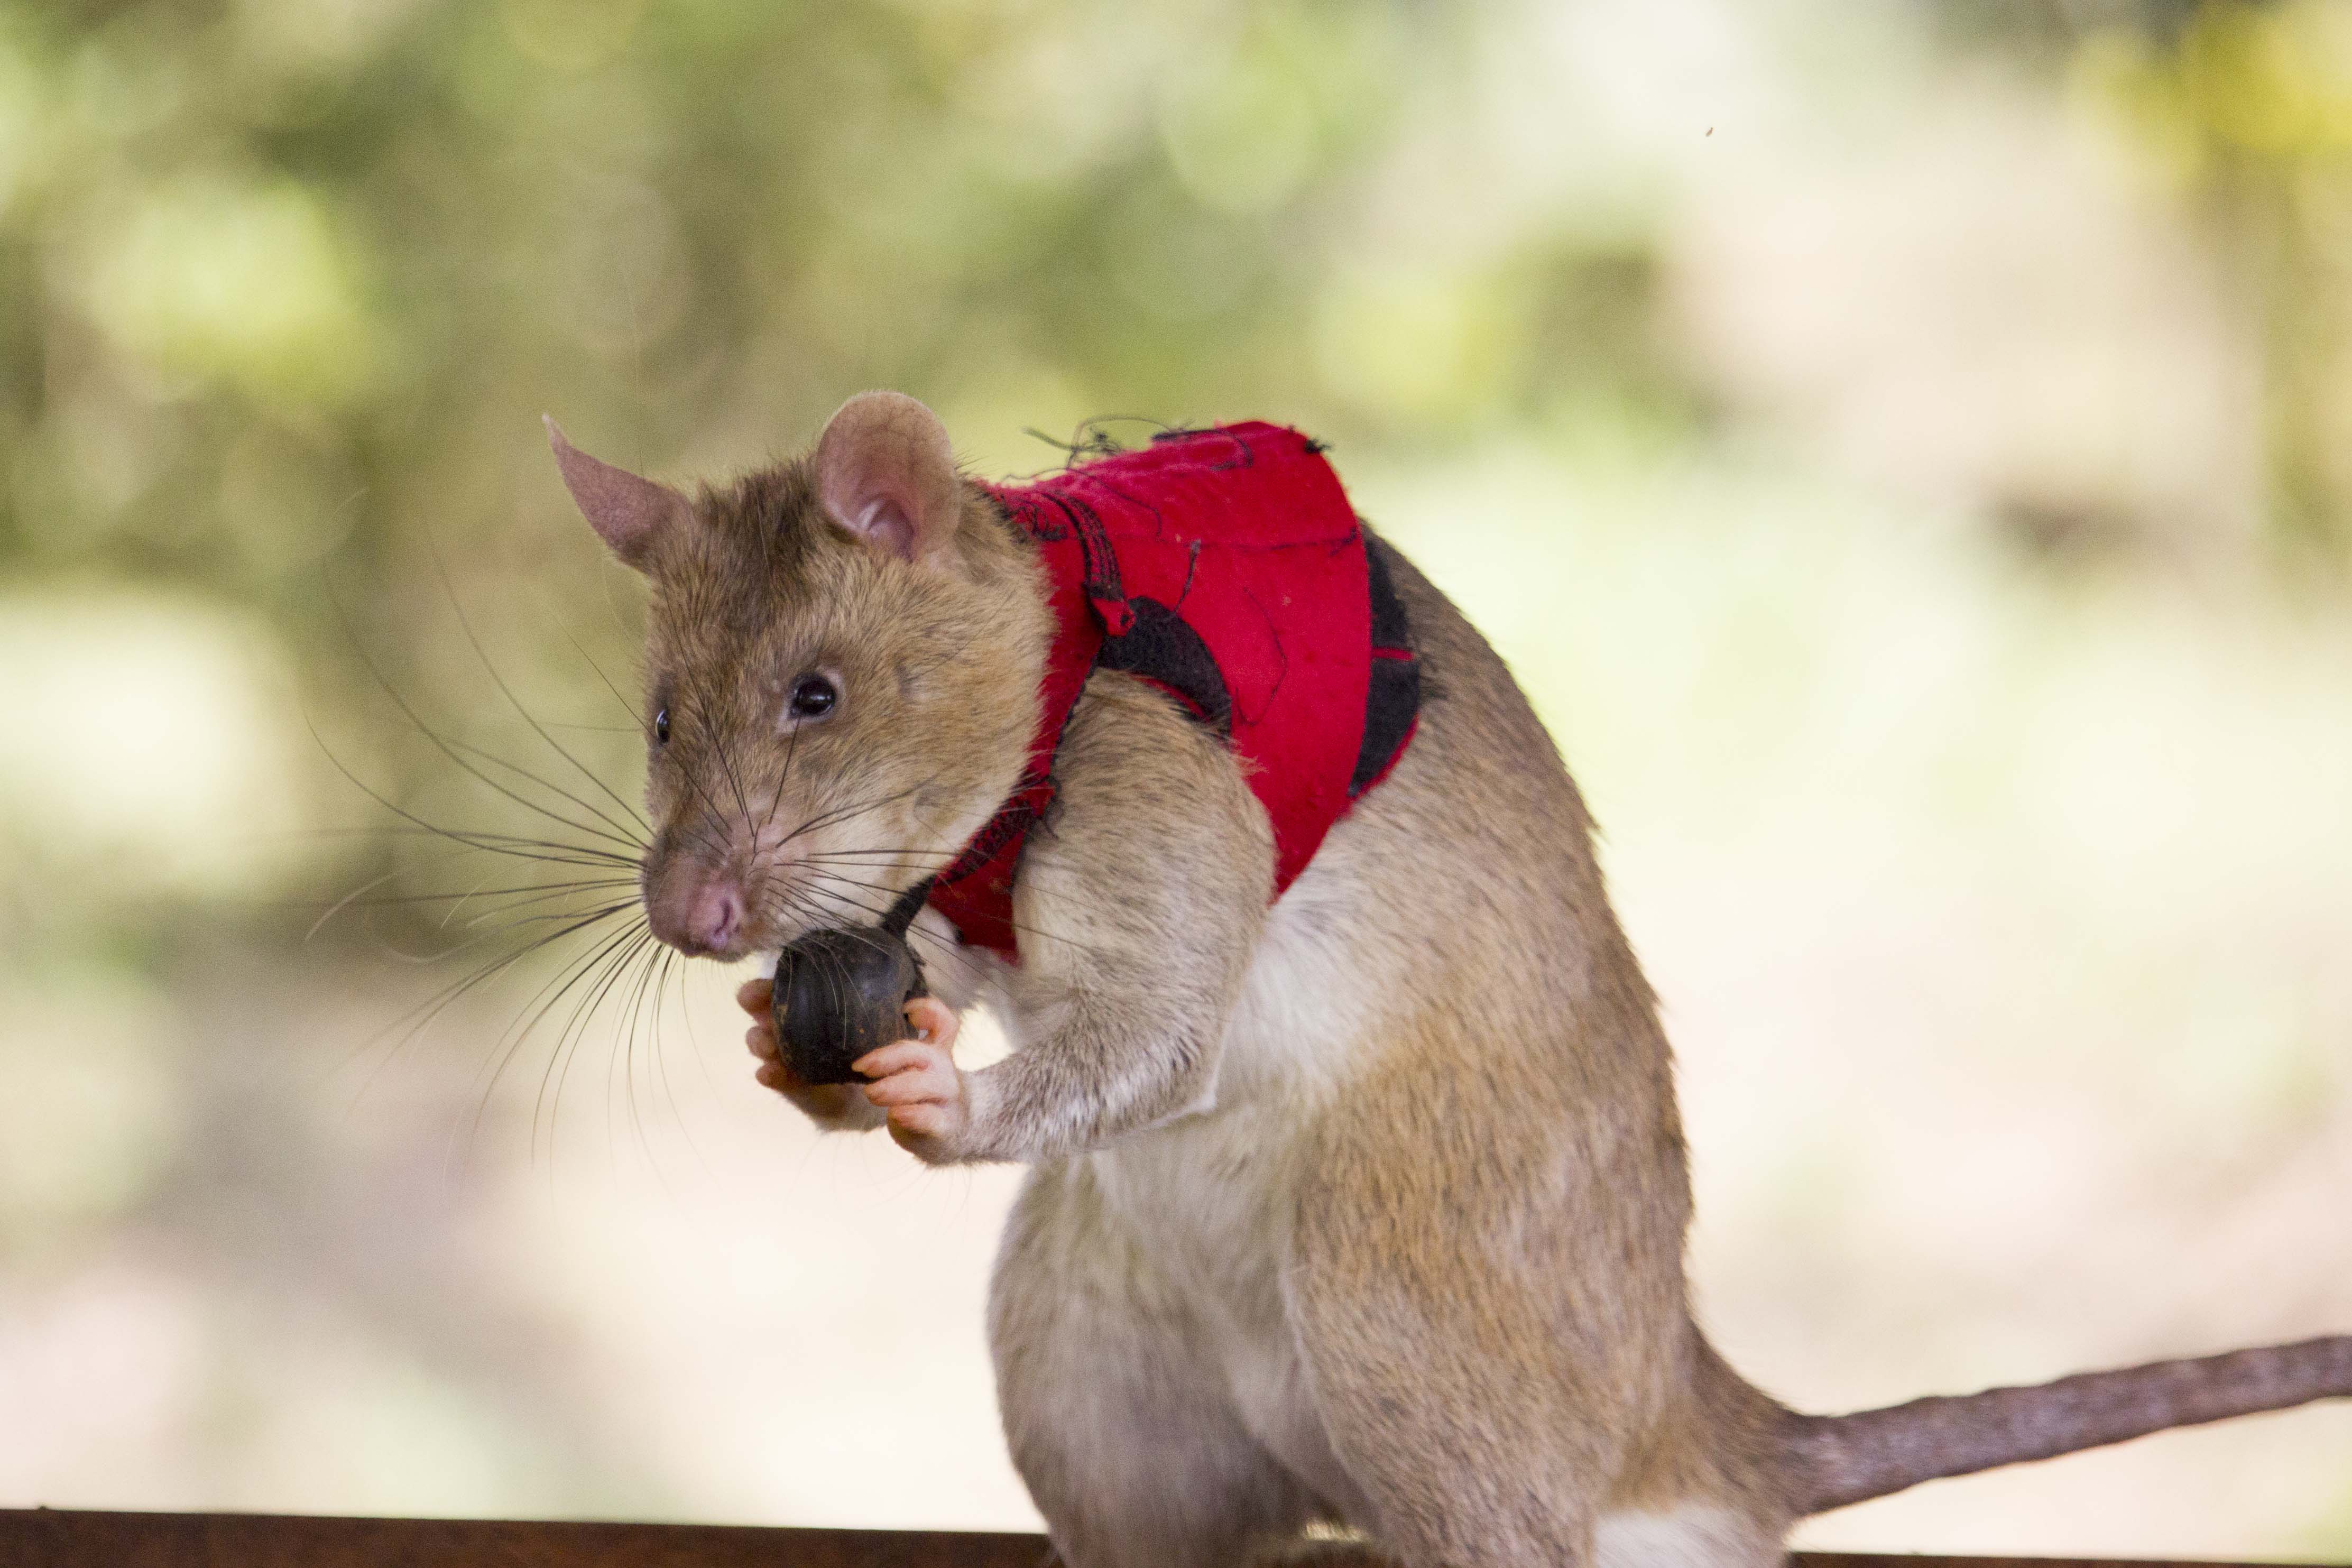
[2254, 103]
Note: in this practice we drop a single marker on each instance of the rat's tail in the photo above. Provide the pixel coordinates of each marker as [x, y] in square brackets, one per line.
[1846, 1458]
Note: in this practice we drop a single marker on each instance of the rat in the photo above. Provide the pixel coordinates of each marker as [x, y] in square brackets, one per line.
[1356, 1210]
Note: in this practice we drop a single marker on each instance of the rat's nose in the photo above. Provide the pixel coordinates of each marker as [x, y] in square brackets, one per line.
[707, 919]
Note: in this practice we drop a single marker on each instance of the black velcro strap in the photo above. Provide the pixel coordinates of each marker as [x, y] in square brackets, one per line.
[1392, 701]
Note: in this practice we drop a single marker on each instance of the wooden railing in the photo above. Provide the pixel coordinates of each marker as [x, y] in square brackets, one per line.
[67, 1538]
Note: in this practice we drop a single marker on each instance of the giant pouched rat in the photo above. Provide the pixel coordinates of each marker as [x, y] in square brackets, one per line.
[1365, 1208]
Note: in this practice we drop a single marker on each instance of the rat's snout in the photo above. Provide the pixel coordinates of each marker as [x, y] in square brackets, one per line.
[700, 913]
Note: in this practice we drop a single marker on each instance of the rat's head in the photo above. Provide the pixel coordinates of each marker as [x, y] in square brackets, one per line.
[842, 657]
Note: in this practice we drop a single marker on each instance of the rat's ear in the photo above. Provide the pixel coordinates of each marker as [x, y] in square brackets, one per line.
[627, 512]
[884, 472]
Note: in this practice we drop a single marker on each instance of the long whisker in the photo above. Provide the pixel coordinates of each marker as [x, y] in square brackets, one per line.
[715, 844]
[455, 752]
[643, 826]
[417, 1019]
[727, 764]
[662, 974]
[635, 716]
[844, 813]
[776, 799]
[356, 897]
[1021, 927]
[575, 1029]
[519, 903]
[480, 935]
[633, 1009]
[517, 1034]
[623, 832]
[941, 948]
[473, 837]
[351, 901]
[511, 1040]
[339, 905]
[494, 843]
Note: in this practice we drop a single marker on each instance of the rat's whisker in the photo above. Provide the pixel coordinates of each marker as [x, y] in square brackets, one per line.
[356, 897]
[456, 751]
[724, 750]
[352, 900]
[702, 834]
[412, 1023]
[636, 716]
[506, 1047]
[518, 906]
[623, 832]
[348, 899]
[664, 972]
[514, 900]
[520, 845]
[648, 965]
[1020, 927]
[776, 799]
[642, 828]
[844, 813]
[574, 1033]
[837, 902]
[480, 937]
[580, 969]
[494, 843]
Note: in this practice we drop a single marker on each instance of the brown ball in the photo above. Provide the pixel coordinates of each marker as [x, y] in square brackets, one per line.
[840, 994]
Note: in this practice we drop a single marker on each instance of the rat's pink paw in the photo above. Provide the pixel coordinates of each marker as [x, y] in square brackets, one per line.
[834, 1107]
[918, 1084]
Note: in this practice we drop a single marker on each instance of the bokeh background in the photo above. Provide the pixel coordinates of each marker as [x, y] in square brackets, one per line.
[1905, 447]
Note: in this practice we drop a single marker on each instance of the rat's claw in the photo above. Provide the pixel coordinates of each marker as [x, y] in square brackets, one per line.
[934, 1021]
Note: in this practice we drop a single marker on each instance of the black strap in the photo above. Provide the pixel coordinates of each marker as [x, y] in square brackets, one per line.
[901, 914]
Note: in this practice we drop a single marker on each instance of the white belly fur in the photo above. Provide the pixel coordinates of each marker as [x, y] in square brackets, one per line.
[1205, 1195]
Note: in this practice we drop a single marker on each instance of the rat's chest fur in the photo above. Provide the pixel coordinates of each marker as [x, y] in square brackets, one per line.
[1202, 1201]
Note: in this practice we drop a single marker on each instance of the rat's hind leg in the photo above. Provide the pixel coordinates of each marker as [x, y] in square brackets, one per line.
[1118, 1420]
[1491, 1335]
[1511, 1382]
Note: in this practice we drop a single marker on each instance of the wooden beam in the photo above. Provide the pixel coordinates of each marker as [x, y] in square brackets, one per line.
[71, 1538]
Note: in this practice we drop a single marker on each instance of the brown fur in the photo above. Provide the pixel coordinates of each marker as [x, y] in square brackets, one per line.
[1366, 1211]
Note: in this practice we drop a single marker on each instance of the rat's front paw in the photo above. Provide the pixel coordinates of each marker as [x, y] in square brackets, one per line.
[918, 1084]
[834, 1107]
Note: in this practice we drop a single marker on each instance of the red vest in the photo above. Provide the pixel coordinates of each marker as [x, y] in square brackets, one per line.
[1226, 567]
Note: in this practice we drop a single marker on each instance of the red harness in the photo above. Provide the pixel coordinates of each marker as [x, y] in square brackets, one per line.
[1226, 567]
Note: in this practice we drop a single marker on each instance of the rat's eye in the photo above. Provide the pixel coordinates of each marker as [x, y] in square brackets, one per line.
[813, 697]
[661, 727]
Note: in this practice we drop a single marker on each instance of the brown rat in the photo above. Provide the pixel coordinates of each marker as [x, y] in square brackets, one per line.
[1365, 1209]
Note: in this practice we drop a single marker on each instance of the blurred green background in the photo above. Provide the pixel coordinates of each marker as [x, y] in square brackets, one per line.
[1905, 448]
